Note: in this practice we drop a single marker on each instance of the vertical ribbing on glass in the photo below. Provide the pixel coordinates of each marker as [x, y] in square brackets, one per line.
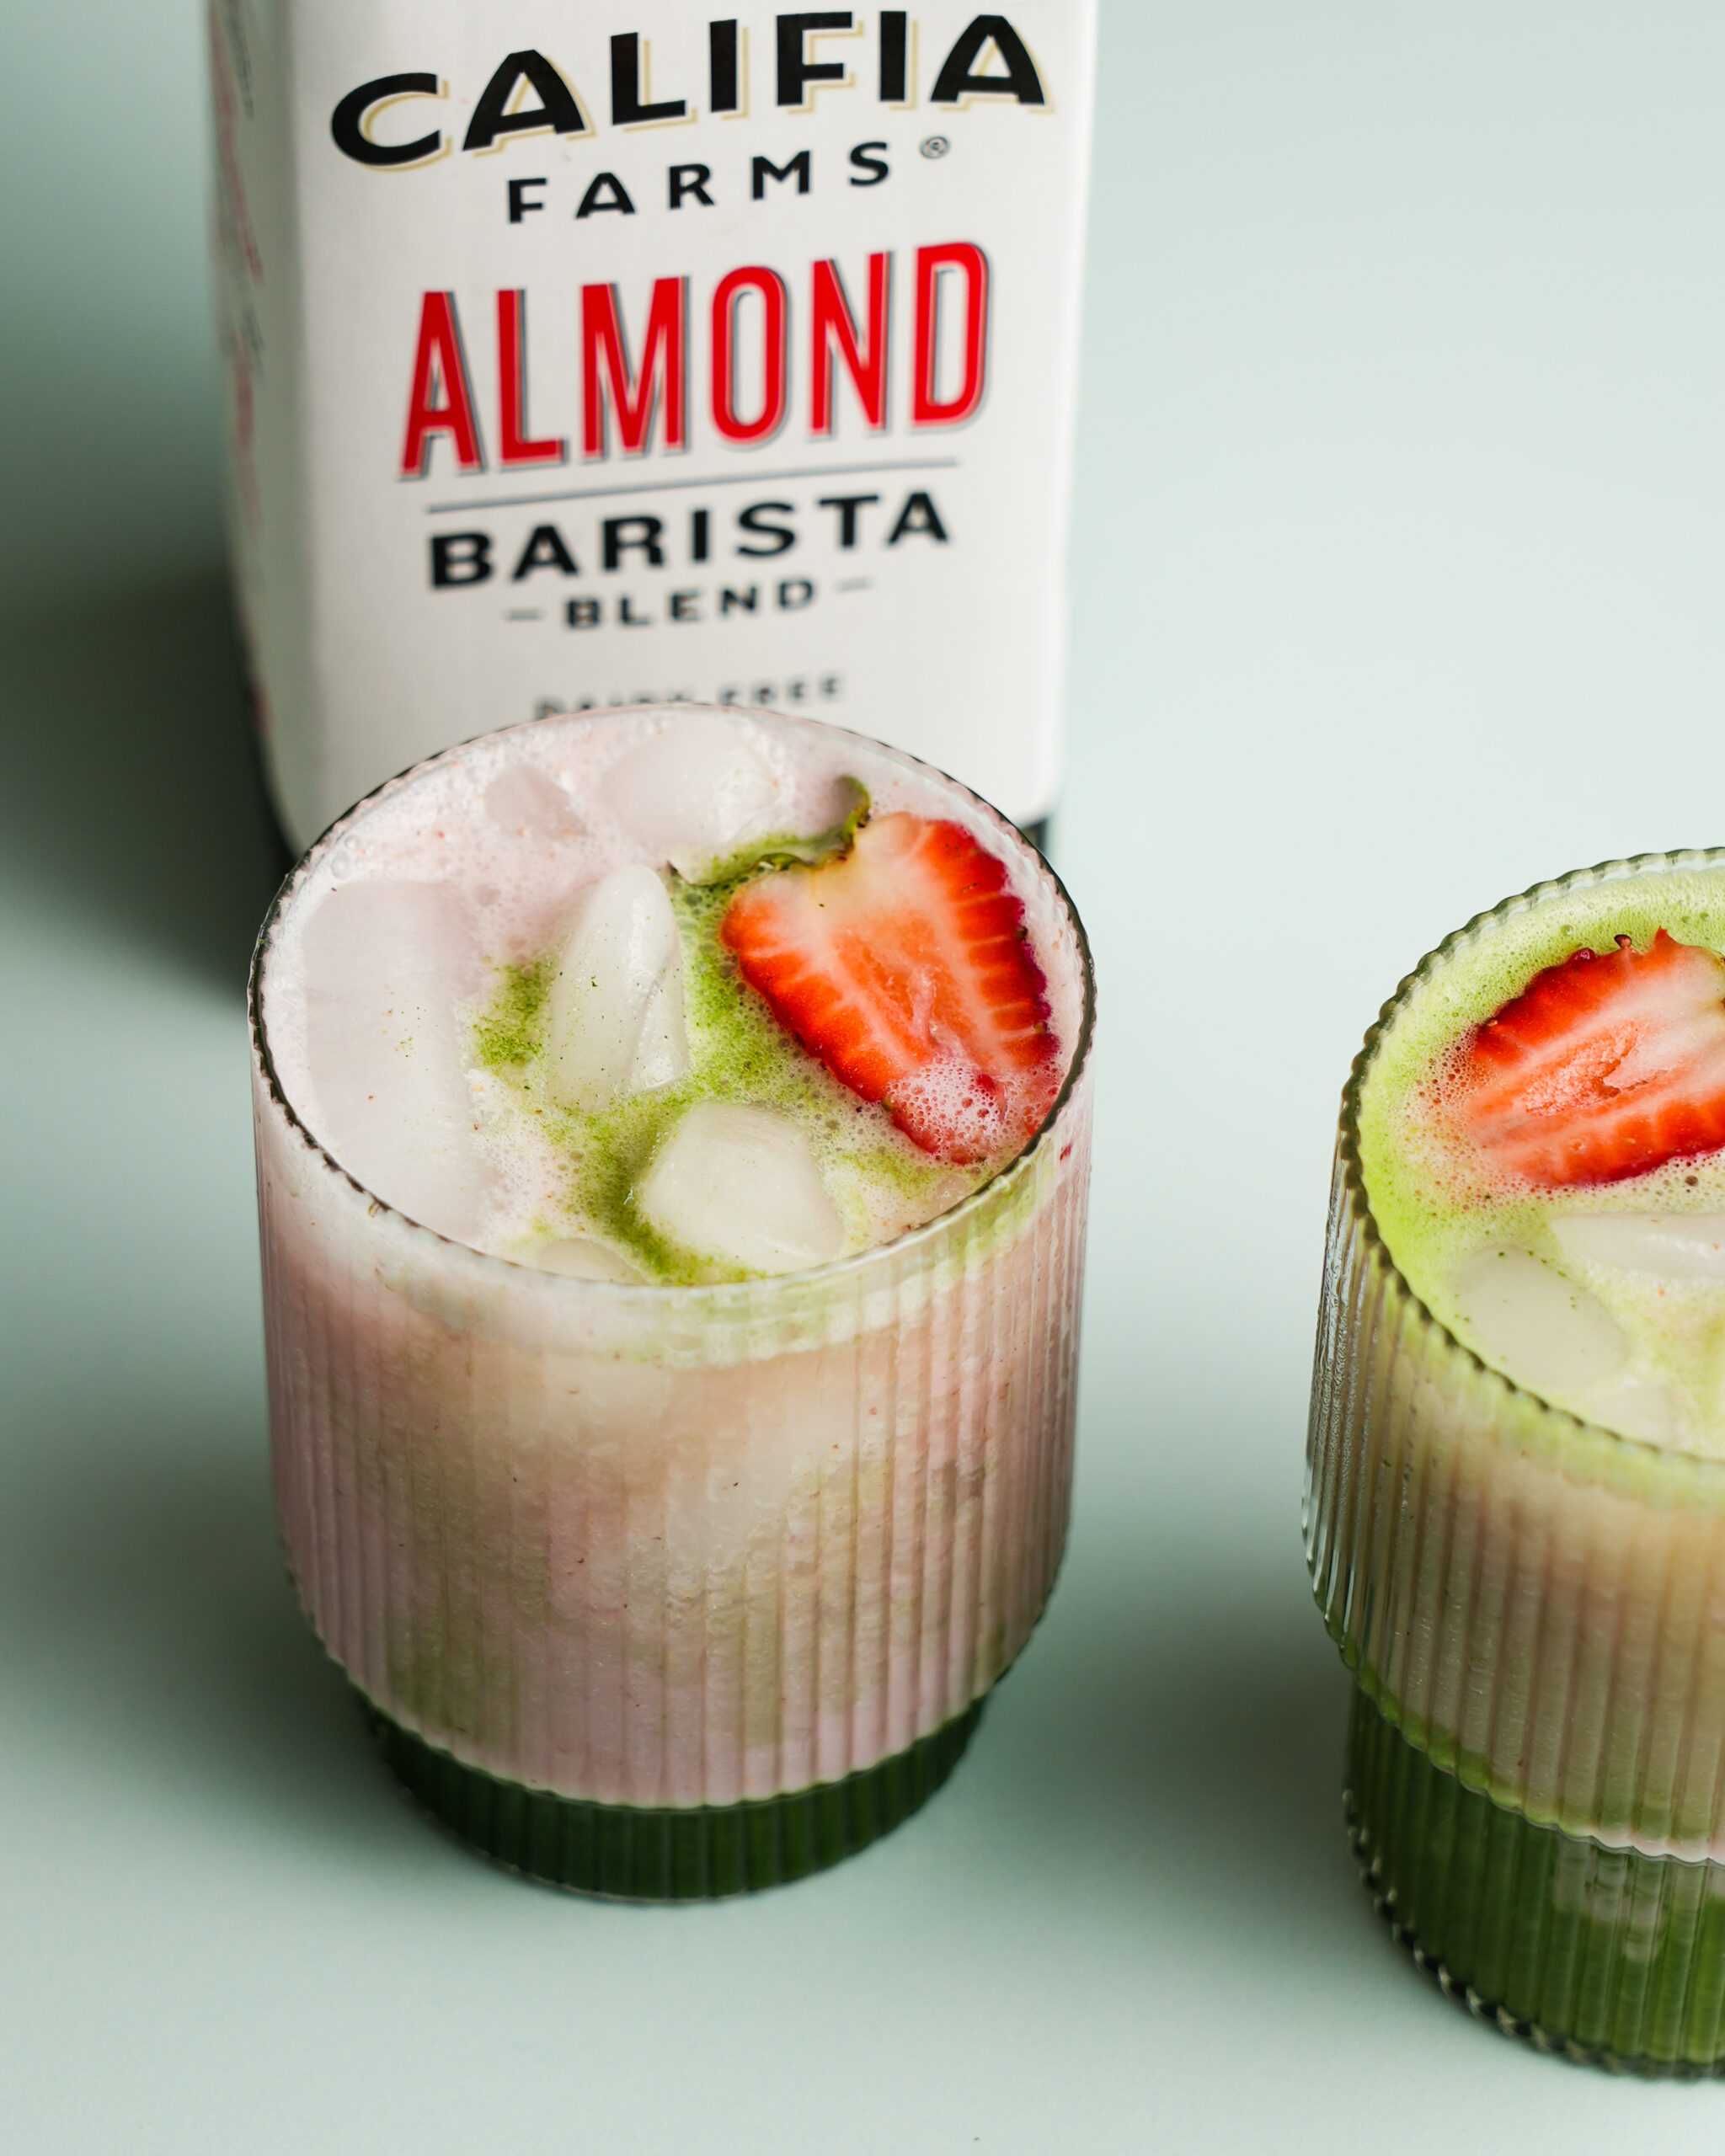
[663, 1854]
[1607, 1954]
[1538, 1604]
[704, 1560]
[711, 1568]
[1534, 1613]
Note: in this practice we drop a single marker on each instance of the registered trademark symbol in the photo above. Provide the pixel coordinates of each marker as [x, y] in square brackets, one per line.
[935, 145]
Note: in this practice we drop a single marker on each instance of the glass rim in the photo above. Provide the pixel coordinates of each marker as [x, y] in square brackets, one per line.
[1620, 868]
[628, 1291]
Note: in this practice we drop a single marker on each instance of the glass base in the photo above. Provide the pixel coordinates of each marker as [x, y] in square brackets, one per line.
[1606, 1956]
[688, 1854]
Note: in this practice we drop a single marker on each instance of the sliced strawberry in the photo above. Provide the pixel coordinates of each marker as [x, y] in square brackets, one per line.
[905, 968]
[1605, 1065]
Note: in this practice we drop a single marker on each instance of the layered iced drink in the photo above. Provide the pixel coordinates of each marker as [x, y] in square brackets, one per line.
[1516, 1505]
[673, 1137]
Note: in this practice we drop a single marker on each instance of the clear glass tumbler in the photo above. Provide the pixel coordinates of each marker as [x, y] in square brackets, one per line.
[674, 1592]
[1533, 1611]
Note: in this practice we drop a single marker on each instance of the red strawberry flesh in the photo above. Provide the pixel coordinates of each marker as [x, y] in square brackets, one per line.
[1607, 1065]
[904, 966]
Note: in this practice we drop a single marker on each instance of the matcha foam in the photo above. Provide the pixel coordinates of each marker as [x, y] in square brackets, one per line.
[418, 1010]
[1607, 1299]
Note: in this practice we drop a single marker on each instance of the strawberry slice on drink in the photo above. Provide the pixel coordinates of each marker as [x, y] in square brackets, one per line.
[905, 966]
[1607, 1065]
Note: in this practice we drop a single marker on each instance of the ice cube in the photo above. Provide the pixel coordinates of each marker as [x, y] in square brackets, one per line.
[698, 791]
[529, 804]
[740, 1185]
[1675, 1246]
[387, 965]
[1633, 1406]
[614, 1018]
[580, 1257]
[1537, 1326]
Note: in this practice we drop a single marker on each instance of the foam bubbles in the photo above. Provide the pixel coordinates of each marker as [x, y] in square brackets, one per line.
[954, 1108]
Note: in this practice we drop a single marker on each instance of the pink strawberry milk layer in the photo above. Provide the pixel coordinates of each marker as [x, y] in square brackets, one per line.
[660, 1418]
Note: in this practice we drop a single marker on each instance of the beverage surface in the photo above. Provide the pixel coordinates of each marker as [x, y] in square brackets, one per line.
[671, 997]
[1542, 1137]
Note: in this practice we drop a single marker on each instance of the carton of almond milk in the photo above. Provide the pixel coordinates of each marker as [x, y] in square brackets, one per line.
[619, 352]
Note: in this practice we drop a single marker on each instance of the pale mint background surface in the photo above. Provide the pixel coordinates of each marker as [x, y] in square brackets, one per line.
[1400, 520]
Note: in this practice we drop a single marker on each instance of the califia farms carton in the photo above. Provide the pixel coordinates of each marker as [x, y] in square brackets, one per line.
[583, 352]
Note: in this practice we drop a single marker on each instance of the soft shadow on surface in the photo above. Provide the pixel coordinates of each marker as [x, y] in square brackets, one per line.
[165, 1656]
[1200, 1757]
[135, 804]
[1232, 1743]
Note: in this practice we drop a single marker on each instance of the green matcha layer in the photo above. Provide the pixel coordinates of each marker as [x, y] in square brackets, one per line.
[694, 1854]
[1605, 1954]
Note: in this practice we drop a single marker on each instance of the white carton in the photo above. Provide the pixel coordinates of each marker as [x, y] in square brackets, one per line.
[584, 352]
